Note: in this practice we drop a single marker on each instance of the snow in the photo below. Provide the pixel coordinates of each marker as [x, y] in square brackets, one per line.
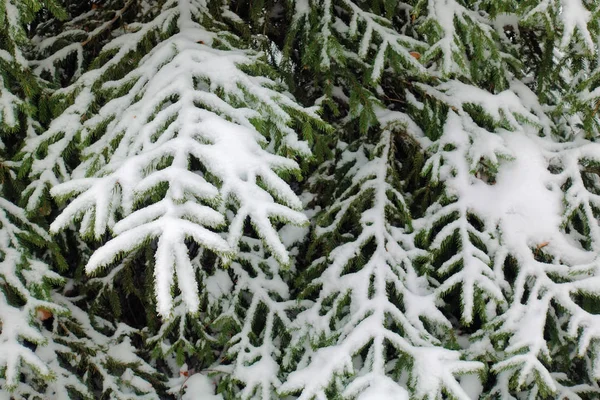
[573, 15]
[503, 20]
[523, 198]
[199, 386]
[523, 211]
[384, 388]
[365, 321]
[173, 112]
[378, 303]
[51, 169]
[24, 276]
[258, 283]
[123, 352]
[472, 386]
[218, 284]
[8, 106]
[377, 33]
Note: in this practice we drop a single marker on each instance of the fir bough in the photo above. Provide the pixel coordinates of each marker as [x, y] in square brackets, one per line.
[302, 199]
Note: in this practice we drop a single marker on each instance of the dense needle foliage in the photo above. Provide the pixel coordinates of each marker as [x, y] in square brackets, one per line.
[299, 199]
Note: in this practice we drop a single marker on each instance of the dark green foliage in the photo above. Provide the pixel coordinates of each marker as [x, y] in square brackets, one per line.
[372, 242]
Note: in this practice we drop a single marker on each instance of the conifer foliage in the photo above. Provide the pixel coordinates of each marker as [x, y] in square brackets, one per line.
[299, 199]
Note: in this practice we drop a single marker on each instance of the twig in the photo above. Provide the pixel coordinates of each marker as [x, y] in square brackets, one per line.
[108, 24]
[182, 386]
[216, 371]
[596, 107]
[394, 100]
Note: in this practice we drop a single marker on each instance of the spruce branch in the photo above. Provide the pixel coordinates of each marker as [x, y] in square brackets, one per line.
[107, 25]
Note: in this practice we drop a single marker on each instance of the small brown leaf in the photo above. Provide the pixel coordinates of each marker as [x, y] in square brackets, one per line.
[43, 313]
[542, 245]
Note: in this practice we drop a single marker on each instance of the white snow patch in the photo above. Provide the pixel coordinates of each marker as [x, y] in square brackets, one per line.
[218, 284]
[472, 386]
[200, 387]
[384, 388]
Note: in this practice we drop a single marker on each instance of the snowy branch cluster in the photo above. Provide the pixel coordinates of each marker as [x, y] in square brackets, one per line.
[299, 199]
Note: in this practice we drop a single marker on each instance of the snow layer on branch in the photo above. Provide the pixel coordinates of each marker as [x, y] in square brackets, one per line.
[256, 351]
[571, 14]
[9, 104]
[63, 47]
[26, 277]
[95, 353]
[526, 189]
[199, 386]
[375, 35]
[180, 110]
[357, 310]
[51, 170]
[463, 42]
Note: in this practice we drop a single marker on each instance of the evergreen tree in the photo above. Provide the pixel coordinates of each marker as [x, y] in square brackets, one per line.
[299, 199]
